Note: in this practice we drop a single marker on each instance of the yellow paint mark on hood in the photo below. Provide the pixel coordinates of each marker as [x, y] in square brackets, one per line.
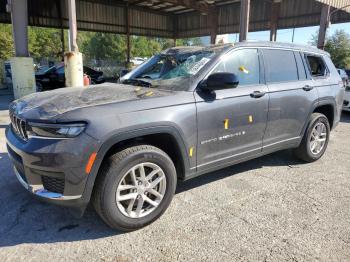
[149, 93]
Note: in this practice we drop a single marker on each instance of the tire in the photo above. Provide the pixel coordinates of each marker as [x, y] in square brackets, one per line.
[114, 174]
[305, 150]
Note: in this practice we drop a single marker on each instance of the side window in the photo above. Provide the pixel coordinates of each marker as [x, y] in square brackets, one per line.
[281, 65]
[244, 64]
[301, 67]
[316, 65]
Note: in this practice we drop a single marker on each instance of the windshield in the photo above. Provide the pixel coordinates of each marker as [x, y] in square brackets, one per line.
[172, 70]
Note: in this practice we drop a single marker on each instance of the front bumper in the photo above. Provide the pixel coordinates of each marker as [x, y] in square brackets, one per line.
[53, 170]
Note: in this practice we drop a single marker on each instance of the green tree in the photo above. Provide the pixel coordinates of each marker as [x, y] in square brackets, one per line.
[195, 41]
[338, 46]
[144, 46]
[45, 43]
[6, 42]
[102, 46]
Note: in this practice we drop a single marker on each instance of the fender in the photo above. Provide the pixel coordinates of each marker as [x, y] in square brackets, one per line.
[320, 102]
[119, 137]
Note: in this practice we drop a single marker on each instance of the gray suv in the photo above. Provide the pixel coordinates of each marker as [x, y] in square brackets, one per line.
[189, 111]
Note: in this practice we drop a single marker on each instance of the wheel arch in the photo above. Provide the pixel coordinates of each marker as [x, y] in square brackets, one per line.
[175, 147]
[328, 106]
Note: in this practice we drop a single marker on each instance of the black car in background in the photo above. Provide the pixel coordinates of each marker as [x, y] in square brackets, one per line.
[54, 77]
[347, 72]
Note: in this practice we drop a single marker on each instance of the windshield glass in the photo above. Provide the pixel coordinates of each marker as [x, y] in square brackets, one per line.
[172, 69]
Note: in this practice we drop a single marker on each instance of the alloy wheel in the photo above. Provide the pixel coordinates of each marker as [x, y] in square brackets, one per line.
[141, 190]
[318, 138]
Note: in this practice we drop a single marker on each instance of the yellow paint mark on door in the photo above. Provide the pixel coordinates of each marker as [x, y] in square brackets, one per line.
[250, 119]
[226, 123]
[191, 151]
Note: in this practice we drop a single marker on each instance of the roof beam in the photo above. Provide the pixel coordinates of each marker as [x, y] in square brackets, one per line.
[202, 7]
[164, 7]
[136, 2]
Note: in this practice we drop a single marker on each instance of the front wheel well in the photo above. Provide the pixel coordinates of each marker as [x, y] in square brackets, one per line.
[163, 141]
[328, 111]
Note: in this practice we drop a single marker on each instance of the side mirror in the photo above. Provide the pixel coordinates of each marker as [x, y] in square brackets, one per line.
[219, 81]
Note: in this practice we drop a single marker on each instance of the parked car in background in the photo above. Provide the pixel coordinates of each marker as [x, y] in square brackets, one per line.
[346, 102]
[344, 76]
[124, 147]
[7, 74]
[137, 61]
[54, 77]
[347, 72]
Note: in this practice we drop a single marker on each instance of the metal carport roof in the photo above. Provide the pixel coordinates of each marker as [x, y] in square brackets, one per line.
[174, 18]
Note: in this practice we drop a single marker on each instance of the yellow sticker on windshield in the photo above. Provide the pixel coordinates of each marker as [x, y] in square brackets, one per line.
[243, 69]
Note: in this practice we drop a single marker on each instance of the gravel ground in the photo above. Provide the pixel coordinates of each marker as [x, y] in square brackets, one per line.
[273, 208]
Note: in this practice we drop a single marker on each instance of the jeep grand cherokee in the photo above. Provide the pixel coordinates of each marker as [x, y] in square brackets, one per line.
[124, 146]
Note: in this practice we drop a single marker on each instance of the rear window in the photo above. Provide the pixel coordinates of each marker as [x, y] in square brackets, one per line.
[317, 66]
[281, 65]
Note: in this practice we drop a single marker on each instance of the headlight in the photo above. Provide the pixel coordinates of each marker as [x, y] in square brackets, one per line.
[55, 130]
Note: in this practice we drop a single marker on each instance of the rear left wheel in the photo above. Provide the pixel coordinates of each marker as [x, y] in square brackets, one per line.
[135, 187]
[315, 140]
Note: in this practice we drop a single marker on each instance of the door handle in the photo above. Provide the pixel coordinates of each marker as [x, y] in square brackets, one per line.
[257, 94]
[308, 88]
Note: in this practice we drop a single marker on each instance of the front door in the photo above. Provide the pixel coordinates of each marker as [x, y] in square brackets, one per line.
[232, 122]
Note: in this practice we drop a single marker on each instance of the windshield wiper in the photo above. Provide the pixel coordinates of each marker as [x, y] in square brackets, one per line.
[137, 82]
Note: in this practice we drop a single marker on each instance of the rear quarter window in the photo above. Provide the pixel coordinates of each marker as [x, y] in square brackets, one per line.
[316, 65]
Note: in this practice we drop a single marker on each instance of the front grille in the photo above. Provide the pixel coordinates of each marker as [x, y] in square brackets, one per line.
[346, 103]
[53, 184]
[19, 126]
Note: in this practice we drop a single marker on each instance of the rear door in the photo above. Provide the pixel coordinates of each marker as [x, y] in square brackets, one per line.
[292, 95]
[231, 122]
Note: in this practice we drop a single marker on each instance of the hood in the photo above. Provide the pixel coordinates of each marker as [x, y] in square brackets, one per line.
[49, 104]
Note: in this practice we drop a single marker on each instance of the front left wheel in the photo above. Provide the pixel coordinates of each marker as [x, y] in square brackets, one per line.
[134, 187]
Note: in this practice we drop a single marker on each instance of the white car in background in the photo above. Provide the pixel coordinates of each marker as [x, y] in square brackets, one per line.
[137, 61]
[346, 103]
[343, 76]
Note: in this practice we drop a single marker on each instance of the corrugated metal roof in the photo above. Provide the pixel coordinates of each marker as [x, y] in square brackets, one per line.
[340, 4]
[166, 19]
[293, 13]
